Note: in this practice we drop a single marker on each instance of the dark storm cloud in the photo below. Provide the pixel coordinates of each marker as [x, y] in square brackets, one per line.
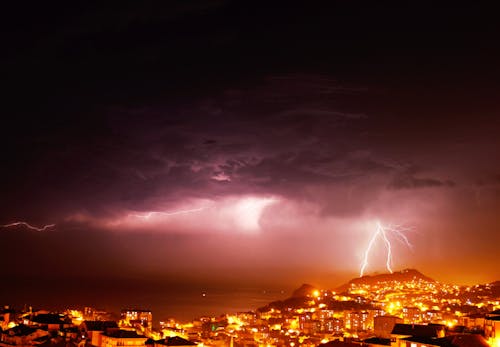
[287, 135]
[407, 181]
[490, 180]
[262, 140]
[153, 155]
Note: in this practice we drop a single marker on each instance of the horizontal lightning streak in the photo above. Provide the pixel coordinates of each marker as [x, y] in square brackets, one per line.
[173, 213]
[29, 226]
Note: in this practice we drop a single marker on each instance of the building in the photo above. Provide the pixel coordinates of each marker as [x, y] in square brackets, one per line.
[118, 337]
[92, 314]
[92, 330]
[137, 318]
[332, 326]
[492, 329]
[474, 321]
[311, 327]
[403, 332]
[412, 315]
[432, 316]
[383, 325]
[357, 321]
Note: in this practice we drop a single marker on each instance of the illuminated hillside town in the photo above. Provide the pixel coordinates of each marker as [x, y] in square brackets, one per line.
[402, 309]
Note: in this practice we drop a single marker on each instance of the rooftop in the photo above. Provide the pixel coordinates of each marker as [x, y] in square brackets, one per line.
[124, 334]
[175, 341]
[417, 330]
[96, 325]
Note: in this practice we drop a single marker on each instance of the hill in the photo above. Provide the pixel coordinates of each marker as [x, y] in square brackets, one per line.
[405, 275]
[303, 290]
[495, 289]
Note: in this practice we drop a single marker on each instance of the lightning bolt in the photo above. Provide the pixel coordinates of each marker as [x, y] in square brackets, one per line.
[384, 232]
[29, 226]
[172, 213]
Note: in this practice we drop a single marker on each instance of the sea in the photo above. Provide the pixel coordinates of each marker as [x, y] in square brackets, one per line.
[182, 302]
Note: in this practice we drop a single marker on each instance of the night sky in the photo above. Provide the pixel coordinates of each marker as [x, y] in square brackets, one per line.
[223, 142]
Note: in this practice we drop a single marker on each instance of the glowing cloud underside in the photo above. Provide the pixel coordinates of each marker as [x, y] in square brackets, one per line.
[382, 231]
[29, 226]
[229, 214]
[247, 212]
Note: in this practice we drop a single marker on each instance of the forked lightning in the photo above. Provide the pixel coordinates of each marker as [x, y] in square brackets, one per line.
[385, 232]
